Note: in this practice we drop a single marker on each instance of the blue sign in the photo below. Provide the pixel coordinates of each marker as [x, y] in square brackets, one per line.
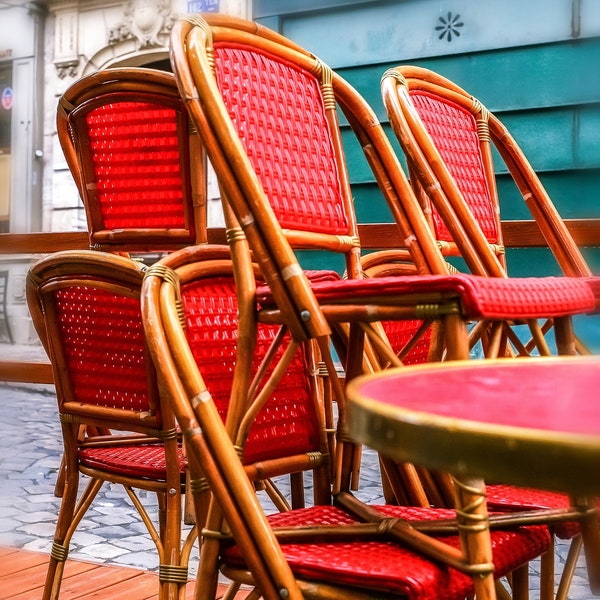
[7, 98]
[203, 6]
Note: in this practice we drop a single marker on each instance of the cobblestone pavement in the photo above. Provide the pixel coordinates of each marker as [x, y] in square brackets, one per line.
[111, 532]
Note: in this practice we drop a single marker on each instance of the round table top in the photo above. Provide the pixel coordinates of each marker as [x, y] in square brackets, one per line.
[531, 421]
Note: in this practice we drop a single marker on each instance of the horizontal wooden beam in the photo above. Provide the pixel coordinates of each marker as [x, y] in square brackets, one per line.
[43, 243]
[523, 234]
[517, 234]
[26, 372]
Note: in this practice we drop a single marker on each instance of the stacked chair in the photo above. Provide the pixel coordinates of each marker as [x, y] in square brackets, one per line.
[324, 551]
[86, 309]
[136, 160]
[139, 167]
[237, 333]
[447, 136]
[131, 149]
[266, 112]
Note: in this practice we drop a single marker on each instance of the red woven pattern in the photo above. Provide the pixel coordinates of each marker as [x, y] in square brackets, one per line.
[509, 497]
[481, 297]
[399, 333]
[288, 423]
[386, 566]
[278, 112]
[454, 133]
[135, 150]
[146, 461]
[528, 297]
[104, 346]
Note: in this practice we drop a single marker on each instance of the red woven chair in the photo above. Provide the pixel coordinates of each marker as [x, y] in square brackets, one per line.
[129, 145]
[86, 309]
[347, 550]
[448, 136]
[233, 354]
[266, 113]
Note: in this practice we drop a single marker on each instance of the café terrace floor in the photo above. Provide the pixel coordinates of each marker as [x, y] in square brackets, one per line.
[112, 555]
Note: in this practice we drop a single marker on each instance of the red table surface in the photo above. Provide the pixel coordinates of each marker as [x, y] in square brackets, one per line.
[559, 395]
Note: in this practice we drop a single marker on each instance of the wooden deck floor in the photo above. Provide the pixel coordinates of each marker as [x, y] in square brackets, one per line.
[22, 575]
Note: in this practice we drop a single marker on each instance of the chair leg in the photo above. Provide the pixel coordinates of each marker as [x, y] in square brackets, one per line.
[547, 573]
[70, 514]
[473, 526]
[565, 336]
[520, 583]
[457, 337]
[590, 533]
[566, 576]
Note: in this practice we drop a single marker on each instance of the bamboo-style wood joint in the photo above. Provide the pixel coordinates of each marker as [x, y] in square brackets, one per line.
[59, 552]
[172, 574]
[164, 273]
[393, 73]
[199, 486]
[235, 234]
[327, 86]
[167, 434]
[434, 311]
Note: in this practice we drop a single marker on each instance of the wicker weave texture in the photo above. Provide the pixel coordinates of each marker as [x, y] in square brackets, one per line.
[387, 566]
[143, 460]
[278, 112]
[510, 498]
[399, 333]
[103, 342]
[482, 297]
[135, 150]
[454, 133]
[287, 424]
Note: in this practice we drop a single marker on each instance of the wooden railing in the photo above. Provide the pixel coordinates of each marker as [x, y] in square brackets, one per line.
[519, 234]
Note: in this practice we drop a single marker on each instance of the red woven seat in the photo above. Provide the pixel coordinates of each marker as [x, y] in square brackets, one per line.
[481, 297]
[510, 498]
[141, 460]
[388, 567]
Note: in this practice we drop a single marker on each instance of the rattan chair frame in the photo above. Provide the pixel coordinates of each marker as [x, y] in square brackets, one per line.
[425, 159]
[196, 264]
[79, 127]
[244, 204]
[213, 455]
[480, 244]
[82, 413]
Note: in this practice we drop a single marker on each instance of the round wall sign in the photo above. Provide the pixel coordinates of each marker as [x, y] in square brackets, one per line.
[7, 98]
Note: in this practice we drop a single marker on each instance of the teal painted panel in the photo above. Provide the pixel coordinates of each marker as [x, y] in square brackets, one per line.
[574, 193]
[267, 8]
[539, 262]
[370, 205]
[546, 137]
[360, 172]
[318, 260]
[402, 30]
[588, 136]
[547, 75]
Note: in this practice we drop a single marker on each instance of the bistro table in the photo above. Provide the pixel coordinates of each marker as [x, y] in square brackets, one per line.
[533, 422]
